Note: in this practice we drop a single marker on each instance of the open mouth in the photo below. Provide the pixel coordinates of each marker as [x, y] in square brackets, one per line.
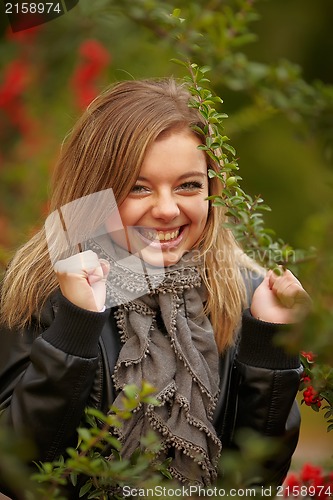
[160, 237]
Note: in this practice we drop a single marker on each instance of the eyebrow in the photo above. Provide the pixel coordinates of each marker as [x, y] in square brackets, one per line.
[183, 176]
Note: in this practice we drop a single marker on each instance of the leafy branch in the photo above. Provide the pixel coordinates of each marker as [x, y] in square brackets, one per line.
[244, 212]
[96, 465]
[215, 33]
[245, 219]
[317, 386]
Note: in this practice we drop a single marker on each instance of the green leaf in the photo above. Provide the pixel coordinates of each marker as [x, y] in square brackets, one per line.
[96, 414]
[73, 478]
[84, 433]
[85, 488]
[211, 174]
[132, 391]
[205, 69]
[229, 148]
[166, 473]
[176, 12]
[178, 61]
[47, 467]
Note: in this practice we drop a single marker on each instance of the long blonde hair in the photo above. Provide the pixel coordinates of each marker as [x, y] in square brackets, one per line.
[111, 137]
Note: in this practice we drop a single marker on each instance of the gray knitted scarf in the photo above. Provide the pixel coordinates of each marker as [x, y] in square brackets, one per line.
[167, 341]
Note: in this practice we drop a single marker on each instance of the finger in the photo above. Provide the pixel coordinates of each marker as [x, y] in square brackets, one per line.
[78, 263]
[274, 278]
[105, 265]
[275, 273]
[288, 294]
[291, 293]
[278, 283]
[286, 288]
[89, 260]
[99, 273]
[265, 281]
[300, 303]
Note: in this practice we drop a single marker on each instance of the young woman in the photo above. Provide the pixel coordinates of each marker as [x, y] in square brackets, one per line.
[203, 334]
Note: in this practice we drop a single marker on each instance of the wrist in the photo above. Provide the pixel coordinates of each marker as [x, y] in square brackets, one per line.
[75, 330]
[259, 345]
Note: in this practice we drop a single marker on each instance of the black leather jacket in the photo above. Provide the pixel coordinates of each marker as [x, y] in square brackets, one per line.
[51, 371]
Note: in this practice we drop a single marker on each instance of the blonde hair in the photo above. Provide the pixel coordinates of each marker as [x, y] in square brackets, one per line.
[112, 136]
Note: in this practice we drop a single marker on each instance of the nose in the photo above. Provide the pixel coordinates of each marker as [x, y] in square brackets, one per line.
[165, 207]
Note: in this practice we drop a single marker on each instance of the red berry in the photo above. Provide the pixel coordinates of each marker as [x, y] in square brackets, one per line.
[309, 356]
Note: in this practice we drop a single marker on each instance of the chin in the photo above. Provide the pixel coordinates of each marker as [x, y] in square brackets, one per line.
[161, 259]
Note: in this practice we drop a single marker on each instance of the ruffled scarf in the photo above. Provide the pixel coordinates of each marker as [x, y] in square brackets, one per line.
[167, 341]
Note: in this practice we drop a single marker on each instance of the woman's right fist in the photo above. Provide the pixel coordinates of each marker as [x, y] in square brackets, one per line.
[82, 280]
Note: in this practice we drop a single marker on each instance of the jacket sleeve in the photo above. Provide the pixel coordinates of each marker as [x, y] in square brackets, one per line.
[258, 392]
[46, 374]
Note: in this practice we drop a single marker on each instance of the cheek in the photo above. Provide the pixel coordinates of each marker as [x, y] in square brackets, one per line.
[123, 216]
[200, 212]
[129, 212]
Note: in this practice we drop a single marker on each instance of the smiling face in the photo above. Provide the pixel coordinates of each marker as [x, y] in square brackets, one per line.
[166, 212]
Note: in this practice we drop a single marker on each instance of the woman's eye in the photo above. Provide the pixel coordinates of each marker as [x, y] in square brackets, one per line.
[137, 189]
[191, 186]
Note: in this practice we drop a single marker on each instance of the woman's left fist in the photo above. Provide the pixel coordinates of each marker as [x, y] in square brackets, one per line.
[280, 299]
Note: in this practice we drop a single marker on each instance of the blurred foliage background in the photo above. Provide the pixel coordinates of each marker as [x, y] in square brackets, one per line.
[272, 63]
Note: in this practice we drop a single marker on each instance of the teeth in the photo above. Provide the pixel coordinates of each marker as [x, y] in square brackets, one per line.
[160, 235]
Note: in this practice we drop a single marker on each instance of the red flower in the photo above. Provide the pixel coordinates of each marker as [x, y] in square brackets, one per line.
[95, 51]
[84, 74]
[95, 58]
[311, 473]
[292, 480]
[85, 96]
[15, 82]
[12, 93]
[311, 482]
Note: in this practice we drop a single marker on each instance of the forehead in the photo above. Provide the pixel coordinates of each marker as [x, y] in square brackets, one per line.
[175, 153]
